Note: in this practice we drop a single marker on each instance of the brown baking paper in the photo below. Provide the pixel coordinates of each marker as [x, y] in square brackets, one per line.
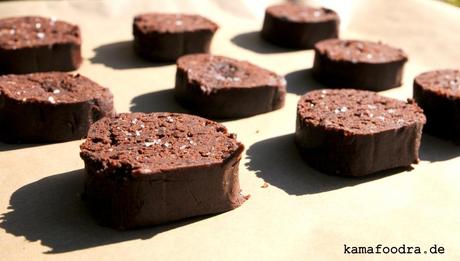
[302, 214]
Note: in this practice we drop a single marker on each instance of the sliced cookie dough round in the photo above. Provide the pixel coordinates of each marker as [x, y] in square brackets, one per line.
[146, 169]
[438, 93]
[356, 133]
[50, 107]
[165, 37]
[221, 87]
[37, 44]
[298, 26]
[358, 64]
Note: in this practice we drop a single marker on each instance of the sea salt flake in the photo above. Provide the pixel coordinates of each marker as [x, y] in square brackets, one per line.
[169, 119]
[167, 144]
[179, 22]
[155, 142]
[56, 91]
[391, 111]
[40, 35]
[371, 107]
[341, 109]
[138, 133]
[12, 31]
[51, 99]
[191, 141]
[183, 147]
[134, 121]
[38, 25]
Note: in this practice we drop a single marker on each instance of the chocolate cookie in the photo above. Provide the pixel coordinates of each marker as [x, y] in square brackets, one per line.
[299, 27]
[166, 37]
[438, 93]
[50, 107]
[355, 133]
[358, 64]
[220, 87]
[37, 44]
[147, 169]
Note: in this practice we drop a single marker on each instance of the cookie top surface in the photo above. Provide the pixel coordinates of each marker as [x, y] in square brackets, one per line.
[33, 31]
[357, 112]
[172, 23]
[357, 51]
[155, 142]
[301, 13]
[445, 82]
[51, 88]
[213, 72]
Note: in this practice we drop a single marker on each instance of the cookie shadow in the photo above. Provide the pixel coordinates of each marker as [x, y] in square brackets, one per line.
[433, 149]
[17, 146]
[277, 162]
[164, 101]
[51, 211]
[159, 101]
[302, 81]
[121, 55]
[253, 41]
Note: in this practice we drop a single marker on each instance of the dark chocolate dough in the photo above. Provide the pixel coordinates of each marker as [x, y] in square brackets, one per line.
[358, 64]
[299, 27]
[356, 133]
[220, 87]
[50, 107]
[146, 169]
[438, 93]
[166, 37]
[37, 44]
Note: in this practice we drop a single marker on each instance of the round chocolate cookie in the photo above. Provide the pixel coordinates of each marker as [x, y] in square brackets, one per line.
[146, 169]
[355, 133]
[220, 87]
[358, 64]
[166, 37]
[298, 26]
[50, 107]
[438, 93]
[37, 44]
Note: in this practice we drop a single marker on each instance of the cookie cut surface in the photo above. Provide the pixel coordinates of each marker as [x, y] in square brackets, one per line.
[438, 93]
[50, 107]
[221, 87]
[36, 44]
[356, 133]
[299, 26]
[147, 169]
[358, 64]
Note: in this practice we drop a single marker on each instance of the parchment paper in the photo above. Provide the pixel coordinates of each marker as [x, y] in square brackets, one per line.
[302, 214]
